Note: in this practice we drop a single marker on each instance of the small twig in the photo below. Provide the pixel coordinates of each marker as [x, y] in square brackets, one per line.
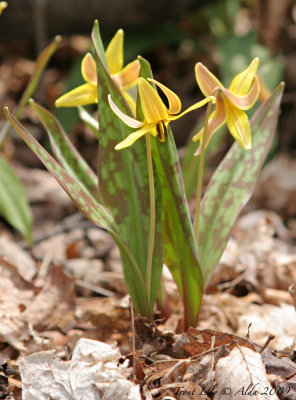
[249, 327]
[268, 340]
[133, 339]
[96, 289]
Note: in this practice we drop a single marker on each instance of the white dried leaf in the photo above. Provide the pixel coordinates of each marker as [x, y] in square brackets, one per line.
[242, 376]
[92, 374]
[44, 377]
[16, 256]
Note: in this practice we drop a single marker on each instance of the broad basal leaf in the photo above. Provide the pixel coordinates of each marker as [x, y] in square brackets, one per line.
[123, 182]
[86, 203]
[13, 202]
[65, 152]
[180, 252]
[233, 182]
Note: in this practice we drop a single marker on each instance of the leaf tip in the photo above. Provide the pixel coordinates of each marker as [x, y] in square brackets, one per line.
[58, 39]
[282, 85]
[6, 111]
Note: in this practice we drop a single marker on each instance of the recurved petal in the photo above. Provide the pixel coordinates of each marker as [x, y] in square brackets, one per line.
[216, 120]
[264, 91]
[89, 69]
[206, 80]
[133, 123]
[128, 76]
[242, 82]
[153, 108]
[247, 101]
[173, 99]
[114, 53]
[193, 107]
[238, 125]
[134, 136]
[81, 96]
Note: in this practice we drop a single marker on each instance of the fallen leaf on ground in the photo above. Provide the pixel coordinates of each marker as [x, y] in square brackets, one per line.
[92, 374]
[241, 375]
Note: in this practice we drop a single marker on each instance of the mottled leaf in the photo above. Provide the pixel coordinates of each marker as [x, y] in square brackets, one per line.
[233, 182]
[65, 153]
[86, 203]
[123, 179]
[40, 65]
[13, 202]
[89, 120]
[189, 164]
[180, 251]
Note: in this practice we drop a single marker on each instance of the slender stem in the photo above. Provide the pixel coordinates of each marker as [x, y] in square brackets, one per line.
[152, 220]
[200, 174]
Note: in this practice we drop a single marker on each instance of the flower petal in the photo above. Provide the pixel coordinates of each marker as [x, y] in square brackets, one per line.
[114, 53]
[216, 120]
[242, 82]
[153, 108]
[206, 80]
[238, 125]
[3, 5]
[128, 76]
[173, 99]
[193, 107]
[81, 96]
[89, 69]
[133, 123]
[264, 91]
[247, 101]
[135, 136]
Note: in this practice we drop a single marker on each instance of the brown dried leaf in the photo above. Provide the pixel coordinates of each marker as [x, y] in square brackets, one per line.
[283, 367]
[15, 295]
[200, 341]
[55, 298]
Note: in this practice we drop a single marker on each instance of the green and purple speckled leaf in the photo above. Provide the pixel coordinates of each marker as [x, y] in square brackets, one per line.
[82, 198]
[180, 251]
[123, 184]
[86, 203]
[233, 183]
[66, 153]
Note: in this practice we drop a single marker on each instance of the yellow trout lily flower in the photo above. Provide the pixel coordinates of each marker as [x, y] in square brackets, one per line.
[123, 77]
[156, 115]
[241, 95]
[3, 5]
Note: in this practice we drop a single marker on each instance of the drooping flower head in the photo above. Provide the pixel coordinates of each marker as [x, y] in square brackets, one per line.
[241, 95]
[124, 77]
[156, 115]
[3, 5]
